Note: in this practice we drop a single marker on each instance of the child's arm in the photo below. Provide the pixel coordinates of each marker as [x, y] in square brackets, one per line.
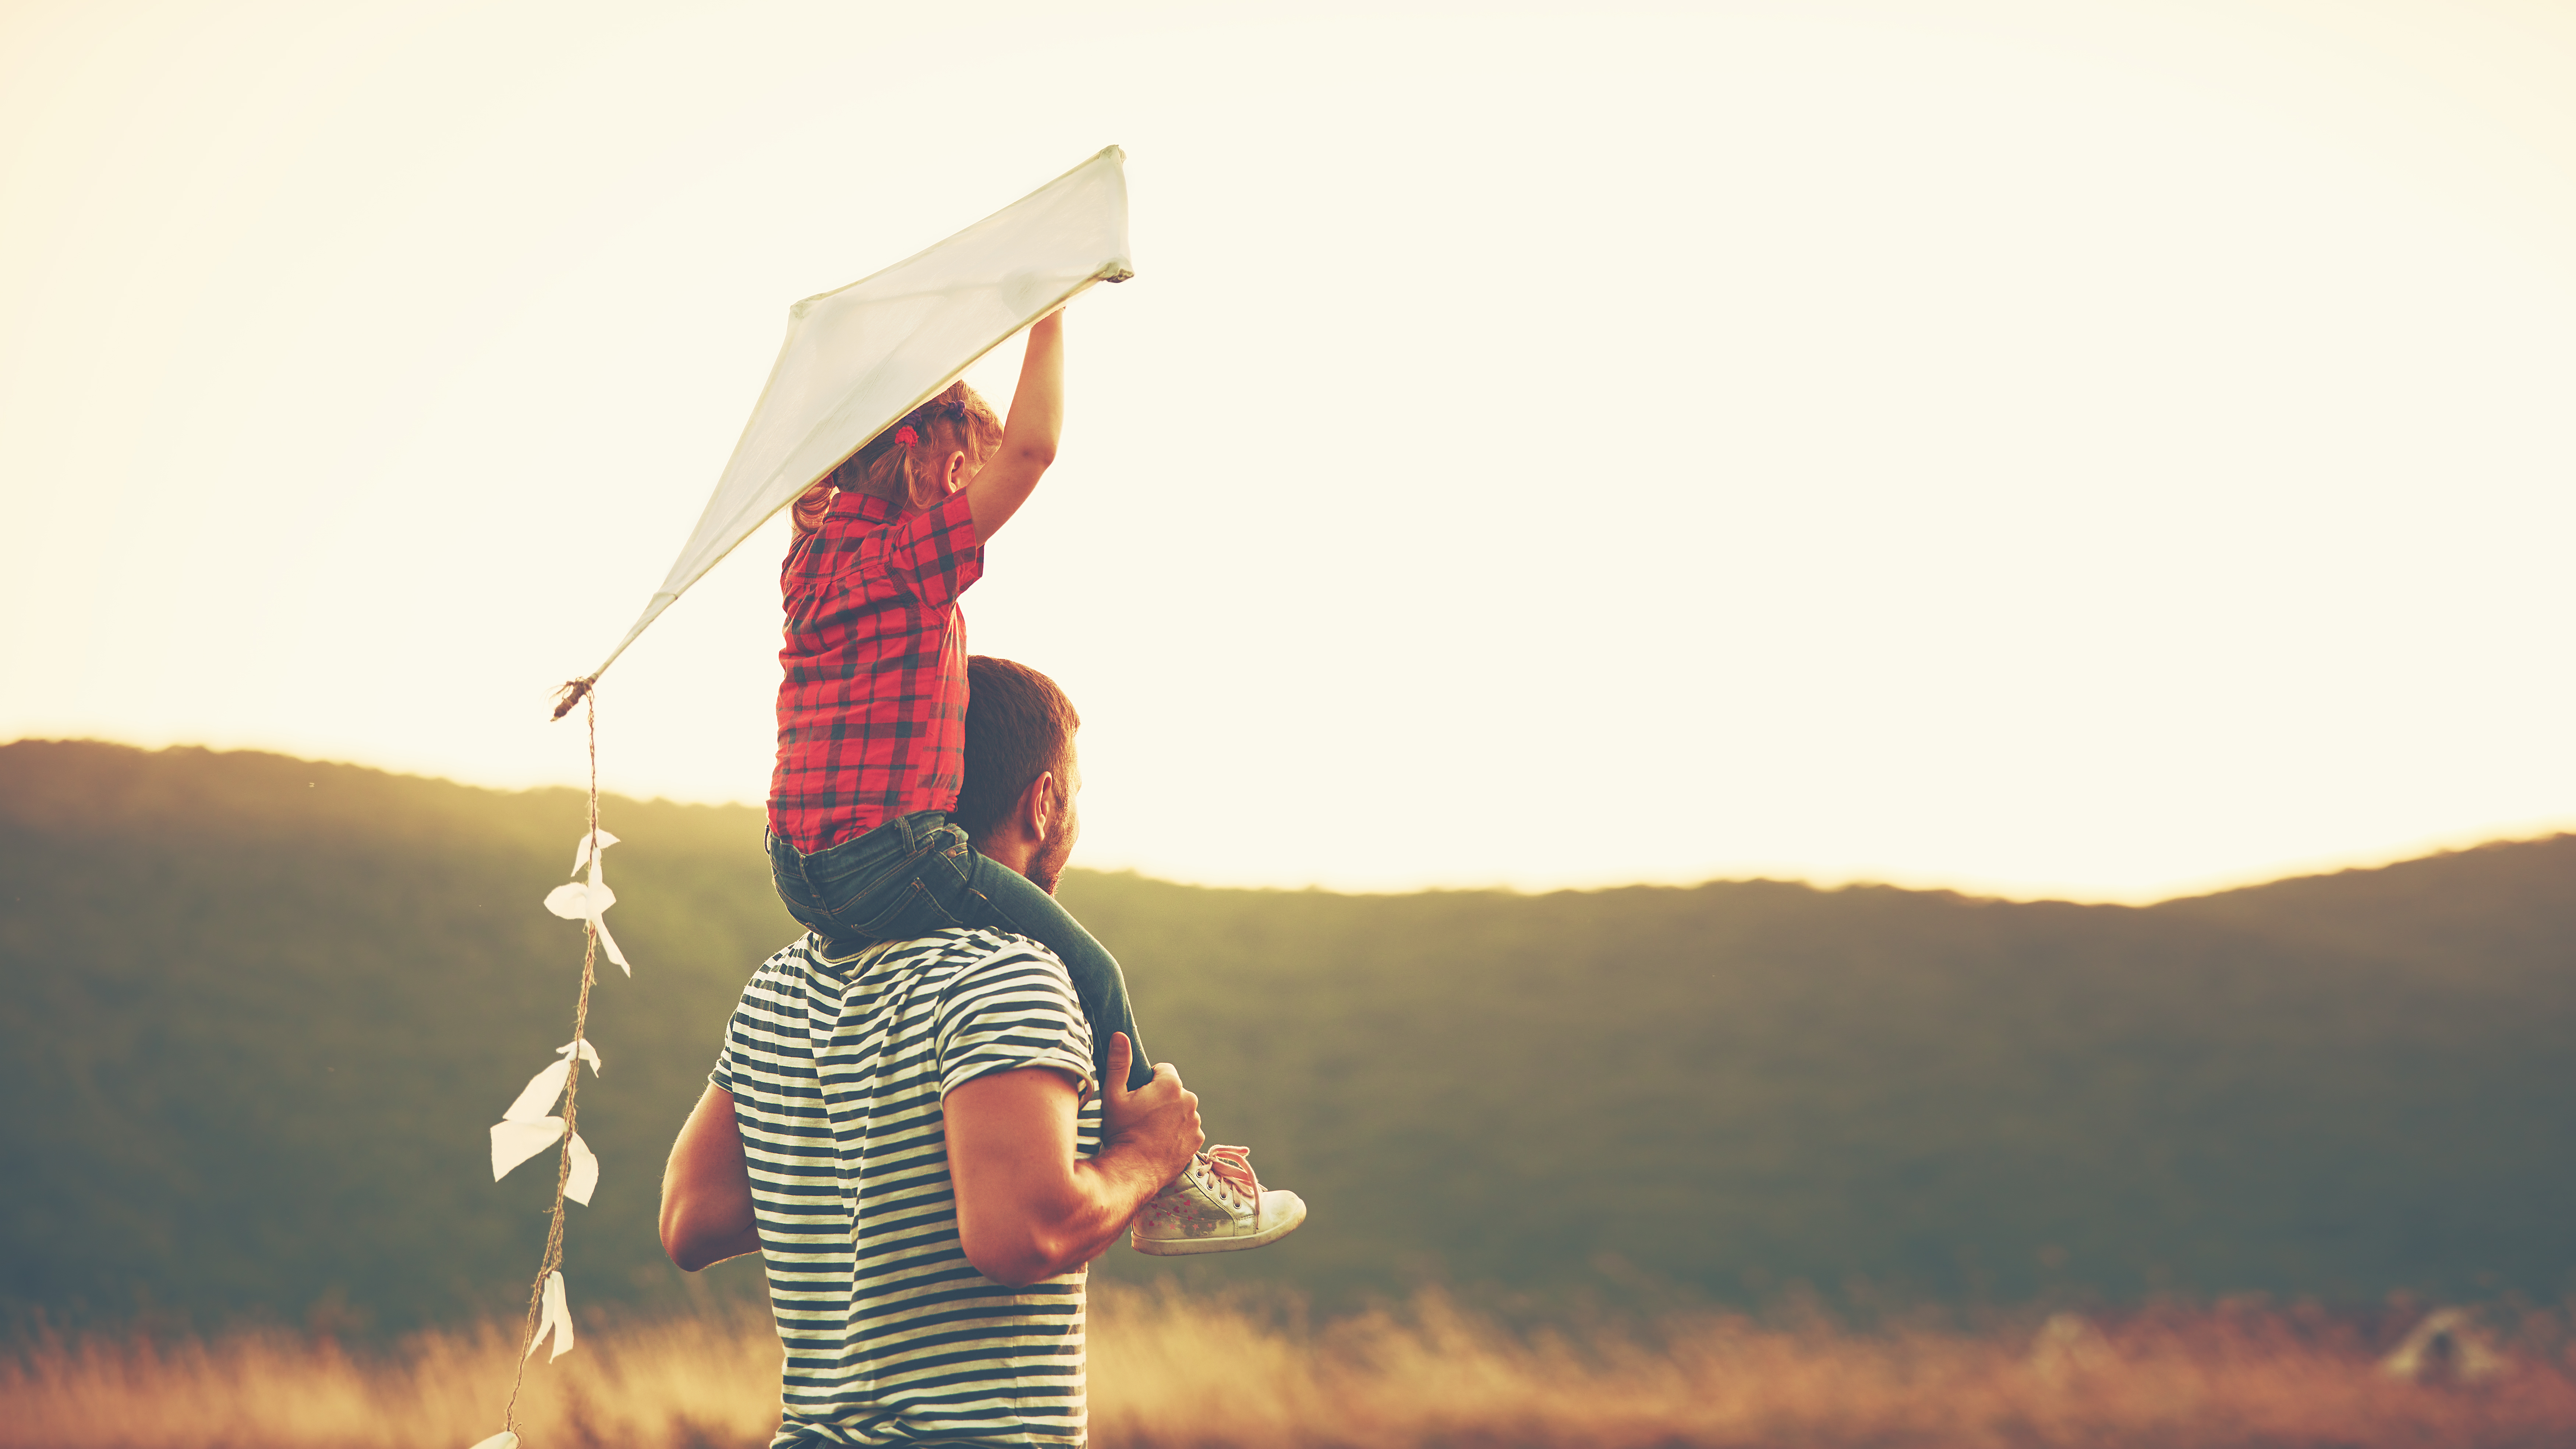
[1028, 435]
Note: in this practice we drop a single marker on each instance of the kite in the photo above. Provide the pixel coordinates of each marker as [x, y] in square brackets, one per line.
[857, 359]
[854, 362]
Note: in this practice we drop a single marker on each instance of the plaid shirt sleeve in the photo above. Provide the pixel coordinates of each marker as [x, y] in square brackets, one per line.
[934, 554]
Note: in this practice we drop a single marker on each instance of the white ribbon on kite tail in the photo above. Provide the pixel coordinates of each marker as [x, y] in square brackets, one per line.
[859, 358]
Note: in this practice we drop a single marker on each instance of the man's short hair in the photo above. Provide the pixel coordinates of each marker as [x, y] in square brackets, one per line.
[1018, 727]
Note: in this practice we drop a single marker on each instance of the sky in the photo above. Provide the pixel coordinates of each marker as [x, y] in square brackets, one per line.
[2087, 448]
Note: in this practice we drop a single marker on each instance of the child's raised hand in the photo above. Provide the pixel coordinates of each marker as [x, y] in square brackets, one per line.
[1028, 435]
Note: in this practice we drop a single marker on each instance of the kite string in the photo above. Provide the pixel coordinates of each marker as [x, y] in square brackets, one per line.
[553, 1259]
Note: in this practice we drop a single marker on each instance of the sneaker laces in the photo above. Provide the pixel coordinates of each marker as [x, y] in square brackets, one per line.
[1230, 1168]
[1233, 1167]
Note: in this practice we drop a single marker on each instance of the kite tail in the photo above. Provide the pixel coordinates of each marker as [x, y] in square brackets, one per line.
[551, 1266]
[572, 693]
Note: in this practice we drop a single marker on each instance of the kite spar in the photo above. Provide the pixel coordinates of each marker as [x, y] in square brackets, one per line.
[857, 359]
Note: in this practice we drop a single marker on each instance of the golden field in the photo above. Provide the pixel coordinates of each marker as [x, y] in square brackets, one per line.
[1170, 1372]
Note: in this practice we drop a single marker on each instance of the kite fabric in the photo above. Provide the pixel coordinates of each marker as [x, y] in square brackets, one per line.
[857, 359]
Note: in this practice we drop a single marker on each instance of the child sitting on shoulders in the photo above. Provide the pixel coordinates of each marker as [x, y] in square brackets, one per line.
[871, 736]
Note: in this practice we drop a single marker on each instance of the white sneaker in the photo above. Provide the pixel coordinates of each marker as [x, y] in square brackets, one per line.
[1216, 1205]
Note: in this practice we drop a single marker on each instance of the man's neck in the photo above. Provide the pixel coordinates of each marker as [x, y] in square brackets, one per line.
[1009, 849]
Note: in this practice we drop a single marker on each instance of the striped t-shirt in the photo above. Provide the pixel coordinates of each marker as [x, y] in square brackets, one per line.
[837, 1069]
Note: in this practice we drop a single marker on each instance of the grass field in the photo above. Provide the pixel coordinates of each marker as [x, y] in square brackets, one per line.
[1171, 1372]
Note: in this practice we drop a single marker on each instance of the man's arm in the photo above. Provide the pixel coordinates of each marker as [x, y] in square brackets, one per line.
[1029, 435]
[706, 1188]
[1027, 1208]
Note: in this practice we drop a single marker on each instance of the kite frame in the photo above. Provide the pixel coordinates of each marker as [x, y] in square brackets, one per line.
[1117, 271]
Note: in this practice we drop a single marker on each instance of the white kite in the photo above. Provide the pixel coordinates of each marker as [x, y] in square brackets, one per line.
[857, 359]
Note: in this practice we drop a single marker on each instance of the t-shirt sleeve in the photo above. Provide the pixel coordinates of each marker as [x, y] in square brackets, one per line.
[1014, 1009]
[721, 1078]
[935, 553]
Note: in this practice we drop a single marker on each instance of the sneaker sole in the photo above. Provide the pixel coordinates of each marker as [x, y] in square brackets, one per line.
[1182, 1247]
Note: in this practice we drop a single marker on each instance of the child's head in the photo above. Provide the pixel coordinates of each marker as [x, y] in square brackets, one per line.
[918, 461]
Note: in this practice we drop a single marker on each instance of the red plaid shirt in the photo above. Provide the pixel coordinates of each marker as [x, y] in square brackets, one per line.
[872, 713]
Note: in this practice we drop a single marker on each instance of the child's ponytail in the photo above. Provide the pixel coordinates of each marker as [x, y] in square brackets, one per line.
[957, 420]
[813, 503]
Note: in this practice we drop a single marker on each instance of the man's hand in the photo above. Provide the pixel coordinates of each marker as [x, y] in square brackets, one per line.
[1159, 1121]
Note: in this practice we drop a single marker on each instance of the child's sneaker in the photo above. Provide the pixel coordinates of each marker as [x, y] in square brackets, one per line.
[1216, 1205]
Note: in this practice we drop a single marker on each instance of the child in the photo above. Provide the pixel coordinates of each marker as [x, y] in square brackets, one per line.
[871, 736]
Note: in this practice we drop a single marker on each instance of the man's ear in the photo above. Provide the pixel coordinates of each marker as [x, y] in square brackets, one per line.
[1036, 811]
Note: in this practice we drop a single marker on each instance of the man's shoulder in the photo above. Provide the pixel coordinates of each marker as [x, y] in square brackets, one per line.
[973, 970]
[955, 960]
[1000, 1002]
[964, 957]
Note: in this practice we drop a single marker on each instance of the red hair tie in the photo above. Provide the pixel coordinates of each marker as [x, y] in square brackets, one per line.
[906, 436]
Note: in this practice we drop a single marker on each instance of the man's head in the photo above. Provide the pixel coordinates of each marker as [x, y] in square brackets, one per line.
[1021, 775]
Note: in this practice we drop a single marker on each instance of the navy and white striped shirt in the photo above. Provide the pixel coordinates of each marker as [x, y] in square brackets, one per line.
[837, 1069]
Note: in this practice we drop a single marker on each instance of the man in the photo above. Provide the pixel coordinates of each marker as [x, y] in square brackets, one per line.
[913, 1138]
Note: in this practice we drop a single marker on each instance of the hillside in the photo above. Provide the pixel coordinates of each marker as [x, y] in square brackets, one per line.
[259, 1012]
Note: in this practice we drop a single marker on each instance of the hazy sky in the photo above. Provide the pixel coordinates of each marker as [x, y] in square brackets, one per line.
[2072, 448]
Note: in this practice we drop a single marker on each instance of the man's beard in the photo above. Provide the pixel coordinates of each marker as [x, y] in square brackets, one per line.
[1049, 861]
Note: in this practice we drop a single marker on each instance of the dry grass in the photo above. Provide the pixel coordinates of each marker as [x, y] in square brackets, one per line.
[1168, 1373]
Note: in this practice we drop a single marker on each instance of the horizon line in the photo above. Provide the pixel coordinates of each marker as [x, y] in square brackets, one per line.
[2428, 848]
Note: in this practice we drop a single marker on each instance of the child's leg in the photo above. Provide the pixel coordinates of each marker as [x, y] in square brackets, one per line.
[915, 875]
[1012, 902]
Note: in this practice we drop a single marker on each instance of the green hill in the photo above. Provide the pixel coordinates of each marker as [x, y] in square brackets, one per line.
[258, 1013]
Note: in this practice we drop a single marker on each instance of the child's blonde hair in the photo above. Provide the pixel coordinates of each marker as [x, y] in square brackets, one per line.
[957, 420]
